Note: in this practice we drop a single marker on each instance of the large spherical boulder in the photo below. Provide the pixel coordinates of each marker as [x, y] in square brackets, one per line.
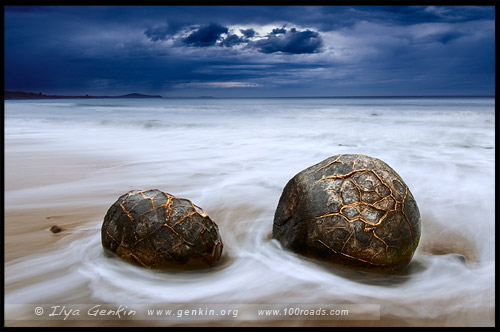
[158, 230]
[352, 210]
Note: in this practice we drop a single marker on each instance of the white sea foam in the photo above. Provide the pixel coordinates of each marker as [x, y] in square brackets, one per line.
[233, 157]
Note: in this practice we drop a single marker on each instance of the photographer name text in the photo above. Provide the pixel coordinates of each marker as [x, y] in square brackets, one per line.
[95, 311]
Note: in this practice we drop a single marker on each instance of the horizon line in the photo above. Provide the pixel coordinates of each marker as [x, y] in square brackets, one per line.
[44, 96]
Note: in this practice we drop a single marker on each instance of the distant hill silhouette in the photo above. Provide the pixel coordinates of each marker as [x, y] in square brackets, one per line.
[9, 95]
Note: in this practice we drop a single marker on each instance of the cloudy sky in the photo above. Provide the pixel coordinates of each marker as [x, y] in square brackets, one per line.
[257, 51]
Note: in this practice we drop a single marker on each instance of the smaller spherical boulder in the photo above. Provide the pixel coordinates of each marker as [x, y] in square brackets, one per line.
[155, 229]
[352, 210]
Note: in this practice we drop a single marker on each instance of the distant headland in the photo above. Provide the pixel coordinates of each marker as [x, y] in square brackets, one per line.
[9, 95]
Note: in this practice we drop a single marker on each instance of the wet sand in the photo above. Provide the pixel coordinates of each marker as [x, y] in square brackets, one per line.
[27, 231]
[27, 225]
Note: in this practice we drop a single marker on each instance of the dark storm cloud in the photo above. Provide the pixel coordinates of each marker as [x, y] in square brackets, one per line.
[278, 40]
[206, 35]
[277, 31]
[291, 43]
[232, 40]
[248, 33]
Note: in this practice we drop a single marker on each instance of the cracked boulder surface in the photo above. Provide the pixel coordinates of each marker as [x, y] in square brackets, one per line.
[352, 210]
[155, 229]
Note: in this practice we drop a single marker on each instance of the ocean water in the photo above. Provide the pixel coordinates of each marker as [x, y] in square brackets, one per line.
[233, 157]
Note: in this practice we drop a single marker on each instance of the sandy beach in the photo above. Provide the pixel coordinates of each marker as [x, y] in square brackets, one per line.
[69, 175]
[27, 229]
[27, 225]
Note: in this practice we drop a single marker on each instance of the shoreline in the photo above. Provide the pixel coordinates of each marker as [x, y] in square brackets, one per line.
[21, 95]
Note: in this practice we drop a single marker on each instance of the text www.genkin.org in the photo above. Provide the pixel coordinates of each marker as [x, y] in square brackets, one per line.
[196, 312]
